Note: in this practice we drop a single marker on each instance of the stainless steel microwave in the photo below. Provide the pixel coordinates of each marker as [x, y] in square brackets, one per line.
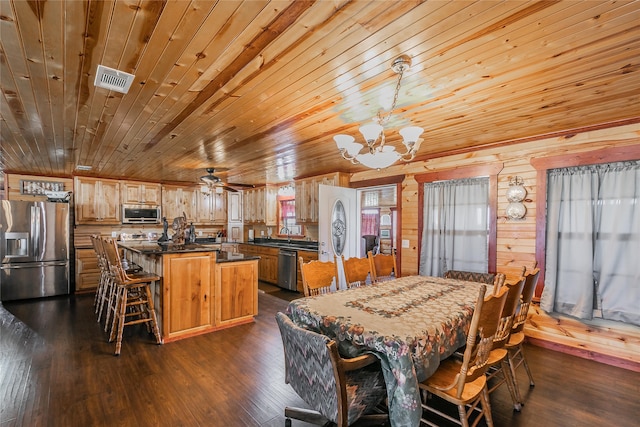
[140, 214]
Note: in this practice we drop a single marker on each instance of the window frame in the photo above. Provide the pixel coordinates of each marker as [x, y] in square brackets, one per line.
[542, 164]
[490, 170]
[280, 224]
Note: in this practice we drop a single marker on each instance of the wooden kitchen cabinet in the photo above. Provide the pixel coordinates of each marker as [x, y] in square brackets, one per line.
[187, 294]
[141, 193]
[236, 289]
[177, 200]
[211, 206]
[307, 195]
[306, 257]
[234, 212]
[87, 270]
[197, 294]
[97, 201]
[260, 205]
[268, 264]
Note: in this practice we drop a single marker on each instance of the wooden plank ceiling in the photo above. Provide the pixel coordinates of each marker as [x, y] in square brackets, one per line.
[260, 87]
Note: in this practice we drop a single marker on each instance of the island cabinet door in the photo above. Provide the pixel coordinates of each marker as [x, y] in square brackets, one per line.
[236, 292]
[187, 294]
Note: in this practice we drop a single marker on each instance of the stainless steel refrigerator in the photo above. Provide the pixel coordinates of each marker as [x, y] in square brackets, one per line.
[34, 249]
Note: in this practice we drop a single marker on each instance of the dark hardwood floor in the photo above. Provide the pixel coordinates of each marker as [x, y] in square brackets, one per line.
[57, 369]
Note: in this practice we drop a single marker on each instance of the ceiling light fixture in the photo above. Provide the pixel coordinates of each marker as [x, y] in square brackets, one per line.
[378, 155]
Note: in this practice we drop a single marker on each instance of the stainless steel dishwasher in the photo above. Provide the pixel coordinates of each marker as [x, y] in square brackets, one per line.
[287, 277]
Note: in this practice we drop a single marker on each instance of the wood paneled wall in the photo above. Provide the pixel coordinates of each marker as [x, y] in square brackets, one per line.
[13, 186]
[516, 239]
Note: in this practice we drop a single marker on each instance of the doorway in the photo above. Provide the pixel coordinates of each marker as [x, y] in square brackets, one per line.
[378, 217]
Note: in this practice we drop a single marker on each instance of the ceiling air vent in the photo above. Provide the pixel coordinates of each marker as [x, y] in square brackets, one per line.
[111, 79]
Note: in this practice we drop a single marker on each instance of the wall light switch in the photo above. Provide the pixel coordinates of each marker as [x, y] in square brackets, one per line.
[114, 234]
[405, 243]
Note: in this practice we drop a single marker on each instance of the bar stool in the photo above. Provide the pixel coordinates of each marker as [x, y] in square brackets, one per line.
[132, 302]
[105, 284]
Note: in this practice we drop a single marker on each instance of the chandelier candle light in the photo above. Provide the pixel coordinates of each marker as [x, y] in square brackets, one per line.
[381, 156]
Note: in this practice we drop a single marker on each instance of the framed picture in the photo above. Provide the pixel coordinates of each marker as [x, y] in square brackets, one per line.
[385, 234]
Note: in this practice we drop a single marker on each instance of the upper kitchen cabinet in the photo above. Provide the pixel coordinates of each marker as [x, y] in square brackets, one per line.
[97, 201]
[234, 211]
[178, 200]
[260, 205]
[212, 206]
[307, 195]
[141, 193]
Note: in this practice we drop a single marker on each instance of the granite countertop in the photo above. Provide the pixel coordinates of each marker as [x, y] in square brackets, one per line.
[234, 256]
[300, 245]
[153, 248]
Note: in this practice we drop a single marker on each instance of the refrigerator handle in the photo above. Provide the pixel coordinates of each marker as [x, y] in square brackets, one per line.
[35, 231]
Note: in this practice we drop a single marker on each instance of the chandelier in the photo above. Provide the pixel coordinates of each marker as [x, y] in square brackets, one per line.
[377, 155]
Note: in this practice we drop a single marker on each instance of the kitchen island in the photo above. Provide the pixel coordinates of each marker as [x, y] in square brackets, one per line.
[202, 290]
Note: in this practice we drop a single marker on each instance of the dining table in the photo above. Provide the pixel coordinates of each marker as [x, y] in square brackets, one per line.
[410, 323]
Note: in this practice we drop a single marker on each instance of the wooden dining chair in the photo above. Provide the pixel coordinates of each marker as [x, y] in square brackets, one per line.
[514, 348]
[339, 391]
[499, 371]
[357, 271]
[317, 276]
[497, 279]
[383, 266]
[463, 381]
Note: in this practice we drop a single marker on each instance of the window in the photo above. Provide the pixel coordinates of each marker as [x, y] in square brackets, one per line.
[592, 242]
[487, 211]
[287, 217]
[370, 222]
[455, 227]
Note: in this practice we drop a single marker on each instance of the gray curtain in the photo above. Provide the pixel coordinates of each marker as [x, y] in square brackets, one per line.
[455, 226]
[593, 242]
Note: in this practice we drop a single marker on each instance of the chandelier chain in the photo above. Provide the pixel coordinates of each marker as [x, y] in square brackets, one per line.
[385, 120]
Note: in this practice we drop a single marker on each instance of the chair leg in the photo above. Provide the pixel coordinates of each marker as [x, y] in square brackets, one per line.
[110, 300]
[486, 407]
[526, 367]
[511, 359]
[120, 293]
[462, 413]
[121, 313]
[511, 385]
[152, 314]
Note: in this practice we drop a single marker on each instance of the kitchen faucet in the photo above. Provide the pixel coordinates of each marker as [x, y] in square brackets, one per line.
[285, 230]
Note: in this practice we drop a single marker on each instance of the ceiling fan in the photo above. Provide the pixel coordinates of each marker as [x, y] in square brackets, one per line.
[215, 181]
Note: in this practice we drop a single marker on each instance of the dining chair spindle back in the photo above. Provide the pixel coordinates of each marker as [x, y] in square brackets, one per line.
[318, 277]
[383, 266]
[357, 271]
[463, 382]
[499, 371]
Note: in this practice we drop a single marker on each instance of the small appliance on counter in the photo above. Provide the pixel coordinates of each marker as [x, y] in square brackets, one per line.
[251, 235]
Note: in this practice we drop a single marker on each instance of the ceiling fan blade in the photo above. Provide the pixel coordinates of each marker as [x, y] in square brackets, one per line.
[233, 190]
[241, 185]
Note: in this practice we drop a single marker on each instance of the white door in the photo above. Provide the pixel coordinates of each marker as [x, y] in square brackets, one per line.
[337, 225]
